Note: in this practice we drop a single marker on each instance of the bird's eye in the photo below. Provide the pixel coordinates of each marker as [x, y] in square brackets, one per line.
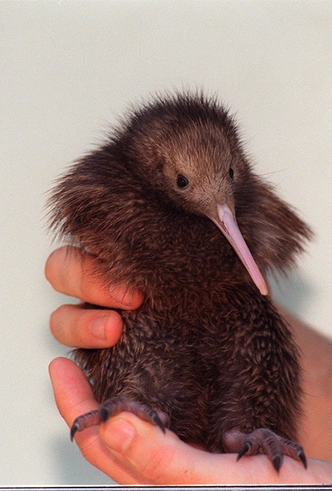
[182, 181]
[231, 173]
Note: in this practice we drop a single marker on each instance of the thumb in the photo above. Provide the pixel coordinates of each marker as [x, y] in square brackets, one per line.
[157, 457]
[162, 458]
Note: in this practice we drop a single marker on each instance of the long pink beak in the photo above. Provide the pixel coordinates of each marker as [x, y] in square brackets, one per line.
[231, 231]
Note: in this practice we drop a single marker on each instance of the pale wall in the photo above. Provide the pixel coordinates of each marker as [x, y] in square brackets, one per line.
[67, 69]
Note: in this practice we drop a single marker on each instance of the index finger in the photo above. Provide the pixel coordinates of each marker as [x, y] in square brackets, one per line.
[72, 272]
[73, 396]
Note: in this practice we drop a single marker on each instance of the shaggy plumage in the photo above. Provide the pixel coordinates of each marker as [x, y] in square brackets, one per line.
[206, 354]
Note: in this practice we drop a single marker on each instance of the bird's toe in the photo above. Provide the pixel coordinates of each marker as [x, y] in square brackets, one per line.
[265, 441]
[112, 407]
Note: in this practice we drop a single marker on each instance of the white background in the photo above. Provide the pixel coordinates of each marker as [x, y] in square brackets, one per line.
[67, 70]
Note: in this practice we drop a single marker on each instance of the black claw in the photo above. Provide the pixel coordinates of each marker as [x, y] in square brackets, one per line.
[243, 450]
[277, 461]
[157, 421]
[103, 413]
[73, 430]
[303, 459]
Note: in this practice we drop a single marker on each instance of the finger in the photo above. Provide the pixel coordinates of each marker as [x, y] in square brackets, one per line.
[71, 271]
[156, 457]
[132, 451]
[73, 397]
[74, 326]
[72, 391]
[164, 459]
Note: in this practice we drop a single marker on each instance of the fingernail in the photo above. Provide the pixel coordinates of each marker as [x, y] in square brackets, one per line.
[120, 434]
[97, 327]
[124, 296]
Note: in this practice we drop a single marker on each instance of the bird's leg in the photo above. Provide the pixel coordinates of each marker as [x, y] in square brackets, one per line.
[263, 440]
[115, 405]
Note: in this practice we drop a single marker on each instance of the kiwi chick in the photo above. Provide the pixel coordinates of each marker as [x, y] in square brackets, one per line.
[170, 205]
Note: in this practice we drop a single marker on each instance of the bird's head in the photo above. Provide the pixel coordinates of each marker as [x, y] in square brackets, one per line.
[189, 150]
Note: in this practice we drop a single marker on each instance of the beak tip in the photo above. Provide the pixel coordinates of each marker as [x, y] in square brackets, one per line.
[263, 289]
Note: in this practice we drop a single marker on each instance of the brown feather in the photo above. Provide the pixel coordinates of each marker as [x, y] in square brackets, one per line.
[205, 347]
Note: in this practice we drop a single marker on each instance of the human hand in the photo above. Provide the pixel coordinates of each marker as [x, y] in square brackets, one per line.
[71, 272]
[126, 448]
[132, 451]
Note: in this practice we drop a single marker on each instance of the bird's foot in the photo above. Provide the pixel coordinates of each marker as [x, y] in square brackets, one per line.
[112, 407]
[263, 440]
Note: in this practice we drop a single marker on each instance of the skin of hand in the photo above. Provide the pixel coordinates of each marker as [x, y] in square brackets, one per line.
[132, 451]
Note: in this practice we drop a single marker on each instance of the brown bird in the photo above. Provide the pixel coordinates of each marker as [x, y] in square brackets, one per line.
[161, 205]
